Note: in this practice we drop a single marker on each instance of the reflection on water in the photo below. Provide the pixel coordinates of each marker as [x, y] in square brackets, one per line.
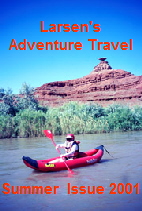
[125, 167]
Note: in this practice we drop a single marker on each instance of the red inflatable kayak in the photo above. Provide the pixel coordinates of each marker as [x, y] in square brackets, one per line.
[85, 158]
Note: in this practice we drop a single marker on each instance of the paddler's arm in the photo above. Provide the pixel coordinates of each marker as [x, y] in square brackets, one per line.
[60, 146]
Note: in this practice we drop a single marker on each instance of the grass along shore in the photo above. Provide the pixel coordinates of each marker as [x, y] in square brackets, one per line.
[72, 117]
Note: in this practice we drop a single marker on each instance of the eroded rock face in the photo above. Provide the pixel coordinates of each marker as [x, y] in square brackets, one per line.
[103, 65]
[103, 85]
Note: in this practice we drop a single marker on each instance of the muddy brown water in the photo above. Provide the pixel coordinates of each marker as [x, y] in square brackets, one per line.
[120, 177]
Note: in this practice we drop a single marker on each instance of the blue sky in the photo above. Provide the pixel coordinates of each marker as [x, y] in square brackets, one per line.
[120, 21]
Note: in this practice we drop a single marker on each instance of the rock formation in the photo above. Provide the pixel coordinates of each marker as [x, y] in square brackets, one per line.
[103, 85]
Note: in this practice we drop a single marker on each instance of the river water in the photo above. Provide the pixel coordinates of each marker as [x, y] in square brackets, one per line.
[122, 172]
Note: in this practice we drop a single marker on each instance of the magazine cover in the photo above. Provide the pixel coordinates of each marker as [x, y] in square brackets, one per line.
[70, 105]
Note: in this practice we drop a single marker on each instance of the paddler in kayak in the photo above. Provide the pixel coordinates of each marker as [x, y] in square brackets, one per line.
[71, 147]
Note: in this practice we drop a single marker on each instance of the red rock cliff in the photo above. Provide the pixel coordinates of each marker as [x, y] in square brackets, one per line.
[103, 85]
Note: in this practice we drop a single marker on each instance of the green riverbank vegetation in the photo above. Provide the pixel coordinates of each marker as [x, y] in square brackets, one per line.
[24, 117]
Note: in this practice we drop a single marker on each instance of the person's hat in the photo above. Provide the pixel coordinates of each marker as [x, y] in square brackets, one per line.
[70, 136]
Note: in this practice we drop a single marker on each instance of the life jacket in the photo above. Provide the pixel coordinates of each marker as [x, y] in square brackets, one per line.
[69, 146]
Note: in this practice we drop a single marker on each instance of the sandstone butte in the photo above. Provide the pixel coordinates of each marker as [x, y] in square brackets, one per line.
[103, 85]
